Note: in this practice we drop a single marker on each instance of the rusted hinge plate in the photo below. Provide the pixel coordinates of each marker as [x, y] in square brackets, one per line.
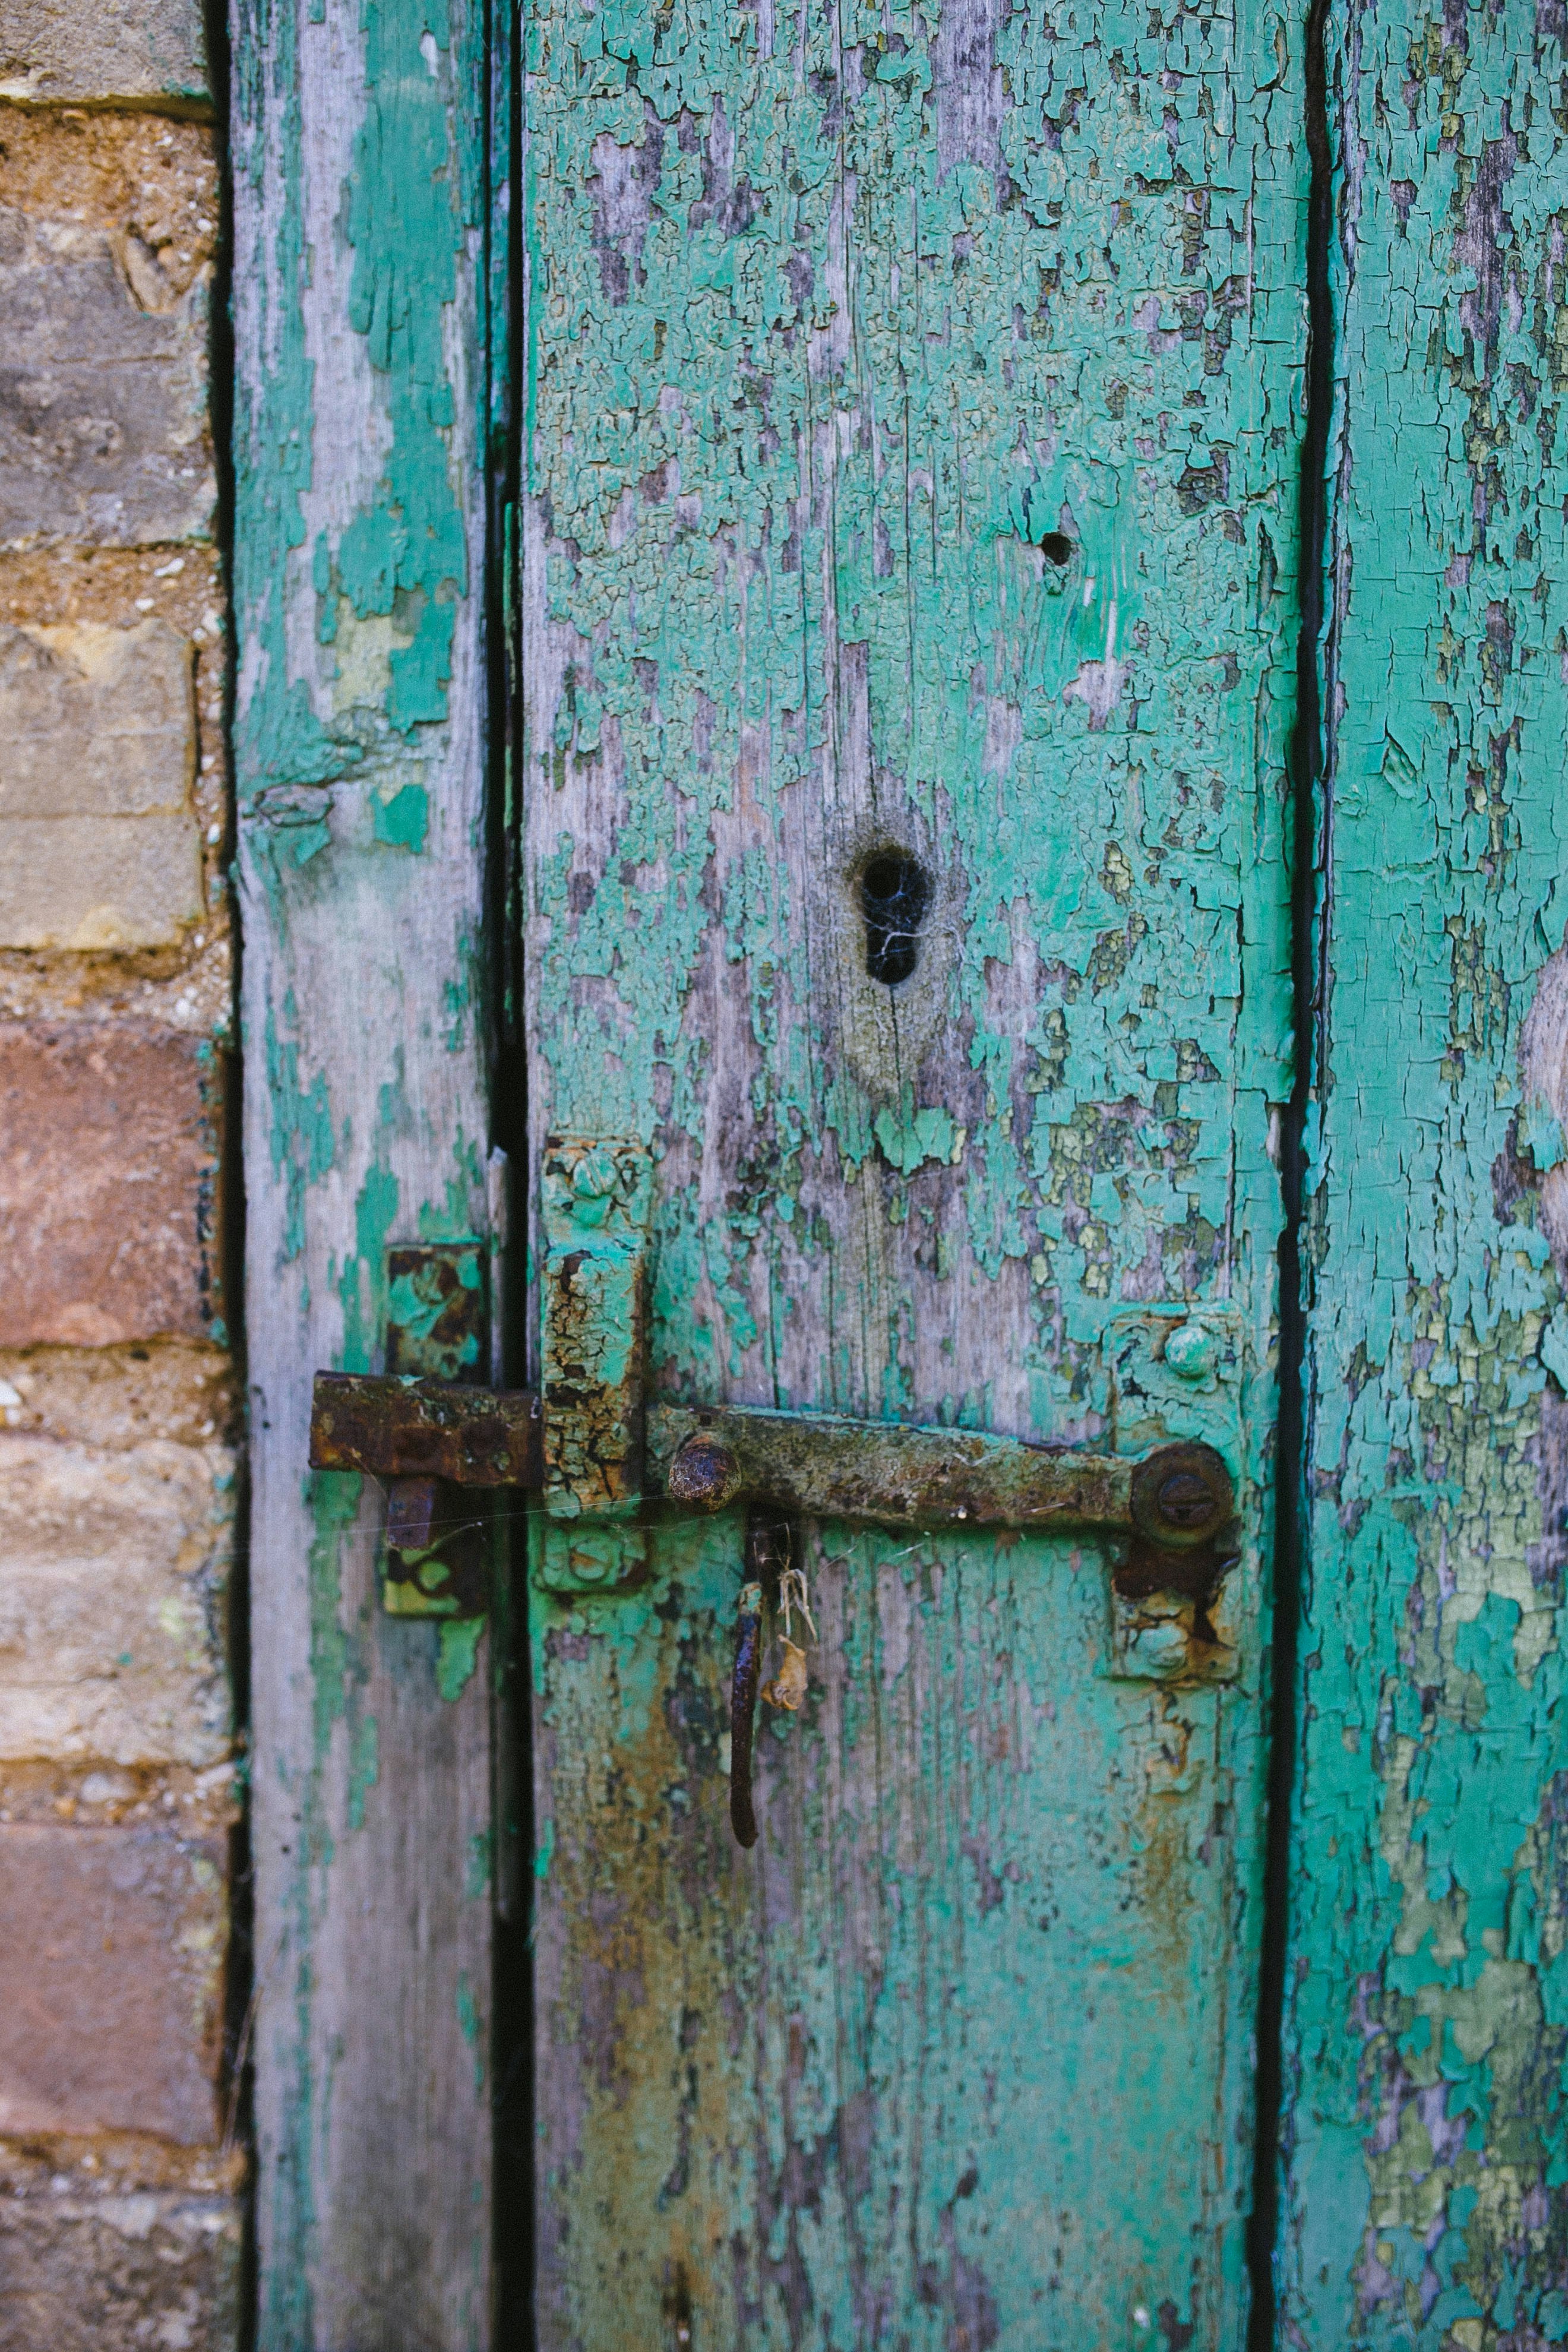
[820, 1466]
[1166, 1488]
[436, 1556]
[596, 1194]
[405, 1427]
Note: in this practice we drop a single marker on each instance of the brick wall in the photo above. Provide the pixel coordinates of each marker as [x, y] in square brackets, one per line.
[119, 2179]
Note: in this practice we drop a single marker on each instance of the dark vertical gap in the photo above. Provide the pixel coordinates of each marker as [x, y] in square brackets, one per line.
[239, 1972]
[512, 1840]
[1306, 762]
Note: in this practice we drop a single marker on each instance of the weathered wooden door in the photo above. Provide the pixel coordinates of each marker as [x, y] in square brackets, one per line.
[988, 847]
[910, 481]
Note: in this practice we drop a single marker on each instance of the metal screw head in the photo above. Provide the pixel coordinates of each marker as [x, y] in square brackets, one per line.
[595, 1184]
[704, 1475]
[593, 1177]
[1185, 1500]
[1181, 1495]
[1191, 1352]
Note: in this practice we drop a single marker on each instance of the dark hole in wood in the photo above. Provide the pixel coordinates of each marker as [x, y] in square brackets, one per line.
[895, 892]
[678, 2306]
[1057, 547]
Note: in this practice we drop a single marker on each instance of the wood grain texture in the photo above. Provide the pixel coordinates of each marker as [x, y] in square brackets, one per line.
[1426, 2154]
[837, 319]
[360, 285]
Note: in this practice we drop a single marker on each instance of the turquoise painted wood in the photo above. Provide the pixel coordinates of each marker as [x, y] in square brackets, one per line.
[1426, 2151]
[911, 453]
[912, 414]
[360, 248]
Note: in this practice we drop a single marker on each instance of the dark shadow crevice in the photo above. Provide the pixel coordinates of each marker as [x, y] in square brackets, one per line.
[511, 2054]
[237, 2085]
[1304, 847]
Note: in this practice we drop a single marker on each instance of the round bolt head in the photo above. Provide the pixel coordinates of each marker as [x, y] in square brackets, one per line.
[704, 1475]
[594, 1175]
[1191, 1352]
[1185, 1500]
[1181, 1496]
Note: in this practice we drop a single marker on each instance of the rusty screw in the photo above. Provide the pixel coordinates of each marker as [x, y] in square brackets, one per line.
[1181, 1495]
[704, 1475]
[1185, 1500]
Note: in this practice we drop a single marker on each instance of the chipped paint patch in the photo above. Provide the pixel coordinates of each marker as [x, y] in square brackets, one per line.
[456, 1655]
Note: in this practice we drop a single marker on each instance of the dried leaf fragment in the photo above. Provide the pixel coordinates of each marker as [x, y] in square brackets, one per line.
[787, 1689]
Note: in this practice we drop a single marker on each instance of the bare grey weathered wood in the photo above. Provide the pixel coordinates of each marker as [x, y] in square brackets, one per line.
[359, 562]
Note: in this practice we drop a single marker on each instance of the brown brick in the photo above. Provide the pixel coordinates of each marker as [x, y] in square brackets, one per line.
[86, 2269]
[134, 175]
[78, 48]
[103, 425]
[108, 1161]
[112, 1605]
[120, 1397]
[110, 1981]
[98, 842]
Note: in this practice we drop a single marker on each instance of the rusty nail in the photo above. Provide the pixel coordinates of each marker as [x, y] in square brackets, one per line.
[704, 1475]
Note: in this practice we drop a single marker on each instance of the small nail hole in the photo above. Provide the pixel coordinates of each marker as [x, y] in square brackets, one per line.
[1057, 547]
[895, 892]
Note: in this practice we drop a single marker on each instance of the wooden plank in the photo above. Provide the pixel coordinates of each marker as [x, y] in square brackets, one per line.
[358, 303]
[913, 411]
[1426, 2136]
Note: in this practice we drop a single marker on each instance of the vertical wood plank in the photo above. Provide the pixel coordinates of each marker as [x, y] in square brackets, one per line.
[1426, 2145]
[359, 301]
[913, 404]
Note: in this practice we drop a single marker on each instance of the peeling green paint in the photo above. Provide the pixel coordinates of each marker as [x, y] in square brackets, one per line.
[403, 821]
[402, 218]
[301, 1127]
[332, 1498]
[277, 733]
[837, 329]
[458, 1656]
[362, 263]
[468, 2024]
[362, 1284]
[838, 324]
[908, 1138]
[478, 1881]
[365, 1769]
[1426, 2128]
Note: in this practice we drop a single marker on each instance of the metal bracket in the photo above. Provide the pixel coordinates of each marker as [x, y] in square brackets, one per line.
[434, 1562]
[595, 1196]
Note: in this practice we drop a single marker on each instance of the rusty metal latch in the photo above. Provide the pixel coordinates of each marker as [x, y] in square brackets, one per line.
[604, 1459]
[1177, 1498]
[598, 1453]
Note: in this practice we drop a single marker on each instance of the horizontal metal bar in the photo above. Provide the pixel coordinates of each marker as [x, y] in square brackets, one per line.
[822, 1466]
[401, 1428]
[827, 1466]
